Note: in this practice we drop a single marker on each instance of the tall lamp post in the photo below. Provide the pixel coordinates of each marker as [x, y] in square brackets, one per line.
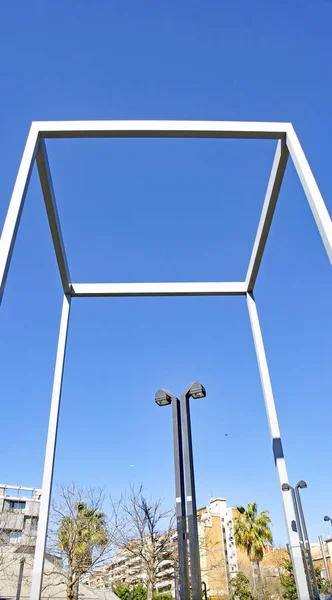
[195, 390]
[163, 398]
[327, 572]
[326, 518]
[300, 486]
[285, 488]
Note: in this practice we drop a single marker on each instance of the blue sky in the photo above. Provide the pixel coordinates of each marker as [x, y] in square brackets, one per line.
[164, 210]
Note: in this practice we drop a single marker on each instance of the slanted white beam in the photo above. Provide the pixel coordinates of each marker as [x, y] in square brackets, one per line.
[174, 129]
[159, 289]
[314, 197]
[277, 449]
[39, 558]
[16, 204]
[271, 197]
[52, 214]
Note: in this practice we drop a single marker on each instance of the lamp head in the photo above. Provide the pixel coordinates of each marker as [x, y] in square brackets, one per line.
[302, 485]
[163, 397]
[196, 390]
[326, 518]
[285, 487]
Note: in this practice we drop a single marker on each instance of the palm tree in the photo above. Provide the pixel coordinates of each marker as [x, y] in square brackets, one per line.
[81, 536]
[252, 531]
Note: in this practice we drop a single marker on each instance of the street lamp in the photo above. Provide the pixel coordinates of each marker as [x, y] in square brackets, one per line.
[301, 485]
[286, 488]
[326, 518]
[195, 390]
[163, 398]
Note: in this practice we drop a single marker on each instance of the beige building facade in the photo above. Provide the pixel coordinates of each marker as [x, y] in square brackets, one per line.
[220, 559]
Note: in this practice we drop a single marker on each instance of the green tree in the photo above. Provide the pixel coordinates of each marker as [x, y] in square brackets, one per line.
[130, 592]
[288, 581]
[137, 592]
[252, 532]
[82, 534]
[240, 588]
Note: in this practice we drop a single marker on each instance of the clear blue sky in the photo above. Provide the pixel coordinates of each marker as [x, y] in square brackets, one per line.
[164, 210]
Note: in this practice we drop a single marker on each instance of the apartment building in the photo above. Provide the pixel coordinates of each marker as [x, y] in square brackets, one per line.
[19, 511]
[219, 557]
[126, 568]
[318, 557]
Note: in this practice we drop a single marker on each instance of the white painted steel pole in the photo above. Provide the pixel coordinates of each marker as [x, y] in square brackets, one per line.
[293, 537]
[38, 565]
[311, 190]
[16, 204]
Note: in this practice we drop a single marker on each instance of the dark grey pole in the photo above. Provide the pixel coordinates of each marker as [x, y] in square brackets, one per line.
[180, 501]
[306, 541]
[195, 569]
[20, 579]
[299, 530]
[321, 543]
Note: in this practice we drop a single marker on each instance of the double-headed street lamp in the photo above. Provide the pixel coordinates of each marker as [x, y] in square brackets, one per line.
[301, 485]
[183, 447]
[326, 518]
[303, 535]
[285, 488]
[163, 398]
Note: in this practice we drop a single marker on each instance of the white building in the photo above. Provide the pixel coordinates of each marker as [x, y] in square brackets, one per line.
[19, 511]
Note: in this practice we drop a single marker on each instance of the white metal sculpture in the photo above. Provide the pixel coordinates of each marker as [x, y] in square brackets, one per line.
[35, 149]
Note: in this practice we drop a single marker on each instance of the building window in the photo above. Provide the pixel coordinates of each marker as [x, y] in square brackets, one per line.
[31, 524]
[15, 537]
[14, 505]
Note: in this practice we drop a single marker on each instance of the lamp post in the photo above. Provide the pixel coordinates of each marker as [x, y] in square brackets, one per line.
[195, 390]
[163, 398]
[285, 488]
[300, 486]
[183, 446]
[321, 543]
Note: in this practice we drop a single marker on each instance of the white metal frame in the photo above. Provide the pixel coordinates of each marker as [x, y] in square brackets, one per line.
[35, 149]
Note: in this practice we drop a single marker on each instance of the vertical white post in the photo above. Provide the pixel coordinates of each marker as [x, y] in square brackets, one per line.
[293, 536]
[16, 206]
[38, 565]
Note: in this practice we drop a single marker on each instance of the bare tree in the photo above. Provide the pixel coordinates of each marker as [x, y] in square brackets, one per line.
[81, 534]
[147, 533]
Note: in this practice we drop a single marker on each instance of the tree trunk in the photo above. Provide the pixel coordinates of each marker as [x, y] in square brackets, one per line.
[75, 589]
[257, 580]
[70, 590]
[150, 590]
[260, 590]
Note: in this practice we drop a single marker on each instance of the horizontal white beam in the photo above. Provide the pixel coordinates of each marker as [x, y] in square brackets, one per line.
[271, 197]
[185, 129]
[316, 202]
[19, 487]
[52, 214]
[160, 289]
